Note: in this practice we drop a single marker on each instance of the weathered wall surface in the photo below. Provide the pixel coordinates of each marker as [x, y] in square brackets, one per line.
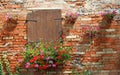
[103, 52]
[12, 42]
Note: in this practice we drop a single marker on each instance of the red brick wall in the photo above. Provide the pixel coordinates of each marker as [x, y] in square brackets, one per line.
[103, 51]
[16, 38]
[6, 4]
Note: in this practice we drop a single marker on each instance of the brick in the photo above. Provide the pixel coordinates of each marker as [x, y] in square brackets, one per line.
[67, 72]
[78, 52]
[7, 38]
[22, 17]
[79, 3]
[77, 39]
[18, 37]
[110, 30]
[71, 36]
[111, 36]
[85, 19]
[19, 43]
[106, 45]
[16, 6]
[21, 26]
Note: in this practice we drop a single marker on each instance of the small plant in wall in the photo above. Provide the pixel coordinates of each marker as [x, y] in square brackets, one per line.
[6, 63]
[108, 17]
[45, 56]
[1, 68]
[91, 31]
[71, 17]
[10, 22]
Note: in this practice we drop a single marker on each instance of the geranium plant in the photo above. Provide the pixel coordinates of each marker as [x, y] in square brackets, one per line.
[10, 22]
[70, 18]
[46, 55]
[108, 17]
[91, 31]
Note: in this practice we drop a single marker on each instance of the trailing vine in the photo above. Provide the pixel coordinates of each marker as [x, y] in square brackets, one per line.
[6, 62]
[1, 68]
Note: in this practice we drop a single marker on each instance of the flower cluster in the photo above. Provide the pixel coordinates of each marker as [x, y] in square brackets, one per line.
[70, 18]
[10, 22]
[11, 18]
[91, 31]
[46, 55]
[108, 16]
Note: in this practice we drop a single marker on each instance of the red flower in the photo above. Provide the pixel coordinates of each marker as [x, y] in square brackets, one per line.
[73, 58]
[74, 49]
[42, 57]
[56, 47]
[31, 60]
[43, 62]
[40, 67]
[45, 66]
[63, 51]
[32, 65]
[34, 59]
[56, 63]
[55, 43]
[46, 46]
[63, 36]
[59, 57]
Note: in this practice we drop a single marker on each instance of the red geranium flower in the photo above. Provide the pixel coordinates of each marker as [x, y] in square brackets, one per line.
[31, 60]
[32, 66]
[55, 42]
[45, 66]
[63, 51]
[42, 57]
[59, 57]
[63, 36]
[56, 63]
[40, 67]
[34, 59]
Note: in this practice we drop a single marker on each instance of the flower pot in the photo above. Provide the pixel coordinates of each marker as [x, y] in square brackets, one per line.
[10, 24]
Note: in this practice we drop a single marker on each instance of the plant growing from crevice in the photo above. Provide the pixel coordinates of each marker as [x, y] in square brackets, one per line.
[90, 31]
[108, 17]
[86, 72]
[70, 18]
[6, 62]
[1, 68]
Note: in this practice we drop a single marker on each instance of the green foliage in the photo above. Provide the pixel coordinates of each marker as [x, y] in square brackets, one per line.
[86, 72]
[108, 17]
[44, 55]
[1, 68]
[70, 18]
[7, 65]
[6, 62]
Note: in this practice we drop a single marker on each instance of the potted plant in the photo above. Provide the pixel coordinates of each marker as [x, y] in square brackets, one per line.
[10, 22]
[90, 31]
[108, 17]
[70, 18]
[45, 56]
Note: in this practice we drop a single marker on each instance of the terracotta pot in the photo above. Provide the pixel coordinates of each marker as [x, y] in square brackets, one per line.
[10, 24]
